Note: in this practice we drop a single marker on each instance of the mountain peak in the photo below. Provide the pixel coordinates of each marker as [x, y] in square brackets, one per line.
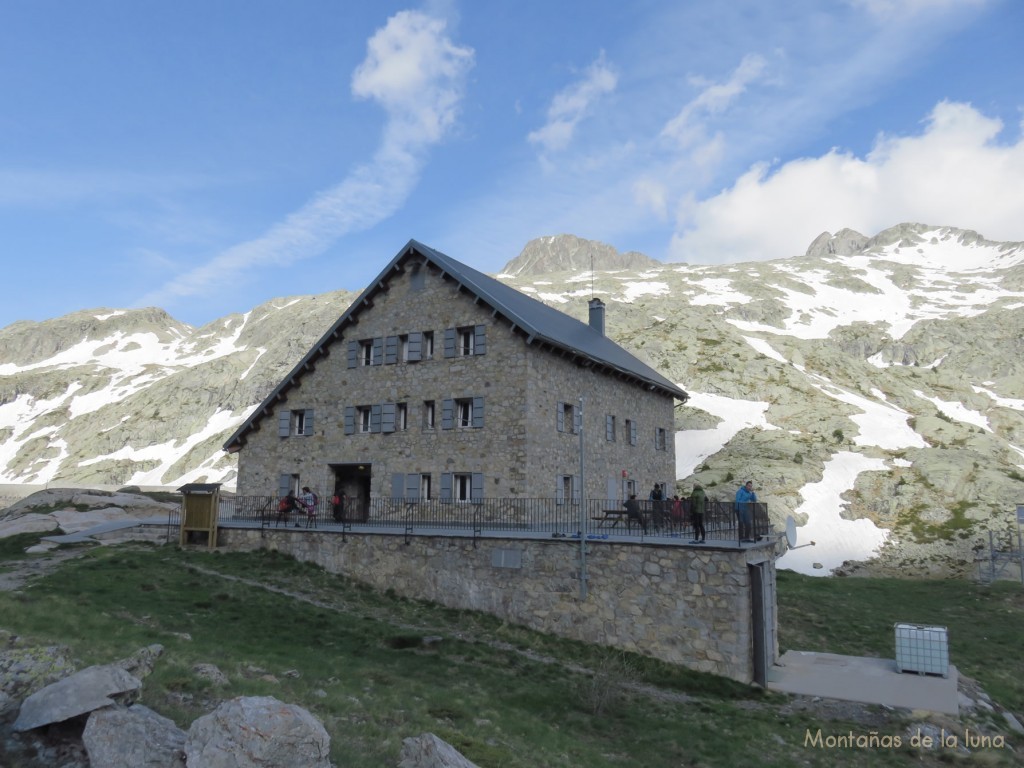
[568, 253]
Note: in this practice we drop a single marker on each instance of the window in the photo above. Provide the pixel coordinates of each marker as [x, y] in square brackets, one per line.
[295, 423]
[394, 417]
[660, 439]
[630, 427]
[403, 348]
[462, 413]
[567, 417]
[462, 486]
[465, 341]
[609, 428]
[428, 345]
[428, 414]
[411, 488]
[366, 352]
[287, 483]
[364, 416]
[565, 489]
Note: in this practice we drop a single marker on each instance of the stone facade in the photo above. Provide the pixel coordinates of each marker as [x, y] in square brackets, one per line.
[519, 441]
[682, 605]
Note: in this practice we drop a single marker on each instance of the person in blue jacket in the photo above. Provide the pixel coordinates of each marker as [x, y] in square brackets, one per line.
[745, 500]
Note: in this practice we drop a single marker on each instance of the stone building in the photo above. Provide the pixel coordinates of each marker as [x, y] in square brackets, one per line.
[440, 382]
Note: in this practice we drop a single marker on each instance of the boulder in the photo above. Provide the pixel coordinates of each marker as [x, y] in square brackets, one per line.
[27, 669]
[428, 751]
[73, 521]
[31, 523]
[79, 694]
[140, 664]
[136, 736]
[258, 732]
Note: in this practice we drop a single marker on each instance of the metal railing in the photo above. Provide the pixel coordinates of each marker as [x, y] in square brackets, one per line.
[598, 518]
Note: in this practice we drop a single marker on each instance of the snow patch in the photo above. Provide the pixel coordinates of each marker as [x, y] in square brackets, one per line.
[836, 540]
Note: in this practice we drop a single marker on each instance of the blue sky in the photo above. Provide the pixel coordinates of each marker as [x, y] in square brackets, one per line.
[205, 156]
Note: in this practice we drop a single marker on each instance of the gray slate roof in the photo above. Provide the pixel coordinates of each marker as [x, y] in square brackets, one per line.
[538, 322]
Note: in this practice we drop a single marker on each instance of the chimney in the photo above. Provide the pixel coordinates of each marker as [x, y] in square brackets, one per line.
[597, 315]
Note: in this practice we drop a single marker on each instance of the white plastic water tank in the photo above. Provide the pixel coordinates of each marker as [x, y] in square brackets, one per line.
[922, 649]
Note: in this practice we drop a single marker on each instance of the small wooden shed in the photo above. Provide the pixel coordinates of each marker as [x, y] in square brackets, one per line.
[200, 503]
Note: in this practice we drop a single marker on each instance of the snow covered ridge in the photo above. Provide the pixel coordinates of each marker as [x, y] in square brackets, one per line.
[871, 387]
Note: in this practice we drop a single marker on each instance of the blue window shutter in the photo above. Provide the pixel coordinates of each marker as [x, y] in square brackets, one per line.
[412, 487]
[387, 417]
[378, 351]
[449, 342]
[609, 433]
[375, 417]
[391, 350]
[576, 489]
[448, 414]
[353, 354]
[307, 426]
[476, 493]
[415, 346]
[560, 417]
[612, 489]
[559, 490]
[480, 340]
[284, 423]
[446, 486]
[284, 484]
[350, 419]
[478, 412]
[632, 433]
[397, 486]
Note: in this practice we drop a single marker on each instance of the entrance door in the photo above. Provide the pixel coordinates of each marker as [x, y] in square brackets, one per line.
[762, 606]
[353, 481]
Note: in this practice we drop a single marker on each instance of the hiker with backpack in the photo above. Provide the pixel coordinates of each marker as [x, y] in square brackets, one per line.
[309, 501]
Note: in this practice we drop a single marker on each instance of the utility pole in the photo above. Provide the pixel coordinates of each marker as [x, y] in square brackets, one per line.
[583, 512]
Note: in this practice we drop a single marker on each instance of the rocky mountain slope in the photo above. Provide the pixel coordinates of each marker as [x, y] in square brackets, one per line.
[873, 387]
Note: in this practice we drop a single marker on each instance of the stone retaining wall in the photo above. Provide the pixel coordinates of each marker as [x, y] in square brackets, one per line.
[688, 606]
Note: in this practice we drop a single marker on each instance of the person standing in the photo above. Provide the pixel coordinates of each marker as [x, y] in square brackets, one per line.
[657, 499]
[308, 500]
[698, 503]
[745, 500]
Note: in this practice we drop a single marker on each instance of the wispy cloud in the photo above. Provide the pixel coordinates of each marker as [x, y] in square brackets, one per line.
[572, 104]
[688, 126]
[954, 173]
[886, 10]
[417, 74]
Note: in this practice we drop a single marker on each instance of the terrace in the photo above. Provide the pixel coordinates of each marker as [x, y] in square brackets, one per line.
[593, 519]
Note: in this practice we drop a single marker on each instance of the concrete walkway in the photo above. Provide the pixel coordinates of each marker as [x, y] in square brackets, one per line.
[863, 679]
[114, 525]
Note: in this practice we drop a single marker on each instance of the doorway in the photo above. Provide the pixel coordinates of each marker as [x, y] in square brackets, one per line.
[352, 485]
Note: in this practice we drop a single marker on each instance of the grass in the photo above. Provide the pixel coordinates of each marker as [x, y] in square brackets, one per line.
[377, 668]
[856, 617]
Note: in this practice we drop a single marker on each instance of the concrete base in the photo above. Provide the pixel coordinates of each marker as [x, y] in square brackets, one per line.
[864, 679]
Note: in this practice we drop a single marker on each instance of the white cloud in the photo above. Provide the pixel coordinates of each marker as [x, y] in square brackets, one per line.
[886, 10]
[572, 104]
[954, 173]
[415, 72]
[687, 128]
